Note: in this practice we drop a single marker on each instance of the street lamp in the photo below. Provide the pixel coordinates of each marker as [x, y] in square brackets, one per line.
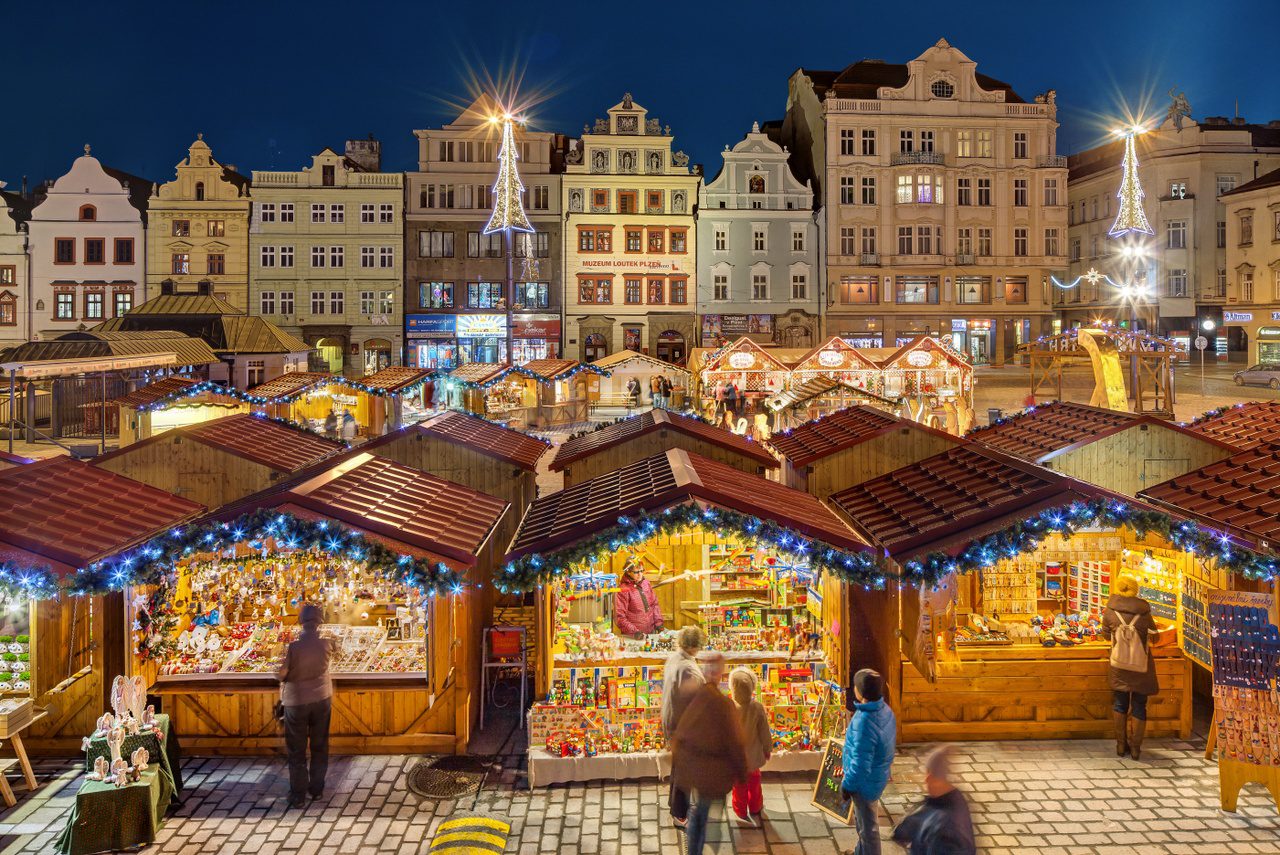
[1208, 326]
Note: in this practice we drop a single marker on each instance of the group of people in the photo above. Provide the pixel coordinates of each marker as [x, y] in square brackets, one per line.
[729, 400]
[660, 391]
[340, 427]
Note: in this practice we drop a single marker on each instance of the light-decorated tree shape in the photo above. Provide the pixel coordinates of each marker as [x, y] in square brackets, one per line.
[508, 211]
[1131, 218]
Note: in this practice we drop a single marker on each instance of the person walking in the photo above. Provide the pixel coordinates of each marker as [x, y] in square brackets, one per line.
[869, 744]
[1127, 623]
[941, 824]
[635, 607]
[306, 692]
[708, 753]
[748, 797]
[681, 676]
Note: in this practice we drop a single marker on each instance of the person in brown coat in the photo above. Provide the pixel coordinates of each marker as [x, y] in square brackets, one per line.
[1130, 688]
[709, 753]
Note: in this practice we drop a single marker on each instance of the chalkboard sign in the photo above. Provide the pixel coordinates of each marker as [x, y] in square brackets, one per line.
[827, 796]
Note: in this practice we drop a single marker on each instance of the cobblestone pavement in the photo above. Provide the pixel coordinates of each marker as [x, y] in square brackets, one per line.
[1059, 797]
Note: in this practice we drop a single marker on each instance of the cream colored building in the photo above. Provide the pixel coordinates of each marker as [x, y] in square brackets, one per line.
[1184, 174]
[1251, 316]
[15, 292]
[944, 198]
[630, 272]
[325, 245]
[198, 229]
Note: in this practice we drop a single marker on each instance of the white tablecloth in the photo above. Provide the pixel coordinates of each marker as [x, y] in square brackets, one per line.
[544, 769]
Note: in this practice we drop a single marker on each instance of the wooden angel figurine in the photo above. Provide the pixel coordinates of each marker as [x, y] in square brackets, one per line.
[137, 697]
[106, 723]
[120, 772]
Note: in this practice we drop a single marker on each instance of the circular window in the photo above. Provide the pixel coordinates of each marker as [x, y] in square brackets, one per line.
[942, 89]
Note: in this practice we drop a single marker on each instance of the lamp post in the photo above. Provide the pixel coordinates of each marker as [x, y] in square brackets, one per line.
[1201, 343]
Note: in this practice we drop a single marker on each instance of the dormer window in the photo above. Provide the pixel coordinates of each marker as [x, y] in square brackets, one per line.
[88, 213]
[199, 191]
[943, 89]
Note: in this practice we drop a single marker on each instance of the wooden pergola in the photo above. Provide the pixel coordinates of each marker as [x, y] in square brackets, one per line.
[1106, 349]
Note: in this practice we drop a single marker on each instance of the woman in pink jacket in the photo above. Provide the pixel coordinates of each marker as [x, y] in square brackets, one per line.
[635, 607]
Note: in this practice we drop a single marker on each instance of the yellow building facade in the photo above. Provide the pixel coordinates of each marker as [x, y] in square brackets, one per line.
[198, 229]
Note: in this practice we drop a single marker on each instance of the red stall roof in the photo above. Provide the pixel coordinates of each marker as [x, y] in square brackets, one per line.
[479, 372]
[479, 435]
[396, 378]
[153, 392]
[1241, 493]
[1244, 425]
[638, 425]
[665, 480]
[291, 385]
[840, 431]
[70, 514]
[945, 501]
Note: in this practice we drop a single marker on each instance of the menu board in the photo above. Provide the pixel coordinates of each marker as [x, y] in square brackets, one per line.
[828, 795]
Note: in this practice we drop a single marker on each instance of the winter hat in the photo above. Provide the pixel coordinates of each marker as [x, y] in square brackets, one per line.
[310, 614]
[869, 684]
[1127, 586]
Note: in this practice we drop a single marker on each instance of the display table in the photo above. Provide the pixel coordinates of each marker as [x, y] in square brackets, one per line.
[161, 745]
[545, 769]
[107, 818]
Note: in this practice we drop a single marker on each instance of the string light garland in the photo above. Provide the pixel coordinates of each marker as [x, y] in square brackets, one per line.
[1131, 218]
[18, 583]
[508, 211]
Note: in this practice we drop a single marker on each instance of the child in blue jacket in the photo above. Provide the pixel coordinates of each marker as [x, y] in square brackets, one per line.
[869, 744]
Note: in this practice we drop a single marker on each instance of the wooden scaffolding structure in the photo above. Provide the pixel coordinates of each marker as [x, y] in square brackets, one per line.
[1150, 371]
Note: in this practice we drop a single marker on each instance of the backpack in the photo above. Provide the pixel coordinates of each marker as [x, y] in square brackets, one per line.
[1127, 652]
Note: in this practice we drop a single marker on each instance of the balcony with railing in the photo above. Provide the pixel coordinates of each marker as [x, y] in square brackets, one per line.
[1051, 161]
[917, 158]
[869, 259]
[964, 259]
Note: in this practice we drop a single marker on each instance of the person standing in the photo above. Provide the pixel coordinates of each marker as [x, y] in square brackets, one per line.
[681, 676]
[1127, 623]
[748, 797]
[635, 607]
[655, 390]
[941, 824]
[720, 391]
[633, 391]
[331, 425]
[869, 744]
[666, 391]
[708, 754]
[731, 402]
[307, 692]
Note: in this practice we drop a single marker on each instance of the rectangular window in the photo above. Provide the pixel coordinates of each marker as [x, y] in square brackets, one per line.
[435, 295]
[317, 302]
[541, 197]
[859, 289]
[267, 303]
[1246, 287]
[633, 291]
[317, 212]
[634, 241]
[1275, 226]
[657, 239]
[255, 372]
[586, 241]
[906, 141]
[679, 290]
[337, 256]
[1246, 229]
[286, 213]
[337, 305]
[1177, 282]
[286, 256]
[541, 244]
[984, 242]
[366, 212]
[1052, 242]
[868, 240]
[679, 240]
[924, 240]
[387, 257]
[337, 213]
[1220, 280]
[327, 175]
[182, 228]
[846, 142]
[847, 189]
[93, 305]
[267, 212]
[435, 244]
[217, 263]
[216, 228]
[926, 141]
[759, 239]
[1051, 191]
[868, 190]
[64, 306]
[484, 295]
[904, 189]
[848, 241]
[180, 263]
[1178, 190]
[95, 251]
[797, 240]
[916, 289]
[1015, 289]
[905, 245]
[973, 289]
[720, 285]
[386, 213]
[657, 291]
[1020, 192]
[964, 191]
[1222, 234]
[367, 256]
[1226, 183]
[366, 302]
[124, 250]
[317, 256]
[759, 286]
[964, 241]
[721, 239]
[982, 144]
[598, 291]
[799, 286]
[1075, 250]
[1275, 285]
[984, 191]
[1176, 234]
[124, 303]
[64, 251]
[868, 142]
[1020, 145]
[929, 189]
[286, 302]
[386, 302]
[627, 202]
[964, 143]
[267, 256]
[653, 202]
[1020, 241]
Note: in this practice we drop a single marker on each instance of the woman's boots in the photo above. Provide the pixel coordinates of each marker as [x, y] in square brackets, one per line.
[1122, 736]
[1135, 738]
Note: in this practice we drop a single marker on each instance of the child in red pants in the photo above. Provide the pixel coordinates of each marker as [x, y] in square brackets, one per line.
[748, 800]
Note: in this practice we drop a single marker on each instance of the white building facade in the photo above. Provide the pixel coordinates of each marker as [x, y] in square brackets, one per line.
[15, 297]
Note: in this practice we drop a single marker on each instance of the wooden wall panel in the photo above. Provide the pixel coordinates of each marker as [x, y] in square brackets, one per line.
[871, 459]
[192, 470]
[1135, 459]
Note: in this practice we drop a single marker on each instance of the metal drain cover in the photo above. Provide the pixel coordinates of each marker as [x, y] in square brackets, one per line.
[444, 778]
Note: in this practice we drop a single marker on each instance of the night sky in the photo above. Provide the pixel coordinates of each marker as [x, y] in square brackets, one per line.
[271, 82]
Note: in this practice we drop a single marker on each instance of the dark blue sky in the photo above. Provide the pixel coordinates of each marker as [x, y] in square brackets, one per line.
[270, 82]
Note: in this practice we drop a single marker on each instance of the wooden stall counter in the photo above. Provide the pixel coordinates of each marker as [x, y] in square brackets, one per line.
[1033, 692]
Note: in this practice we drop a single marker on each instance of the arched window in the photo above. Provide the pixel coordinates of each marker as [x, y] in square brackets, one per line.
[88, 212]
[756, 184]
[199, 191]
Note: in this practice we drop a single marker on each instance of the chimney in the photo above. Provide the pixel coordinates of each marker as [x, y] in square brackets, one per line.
[366, 153]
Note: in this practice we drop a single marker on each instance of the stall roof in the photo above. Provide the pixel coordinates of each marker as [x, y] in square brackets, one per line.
[394, 502]
[925, 342]
[621, 357]
[1242, 426]
[593, 442]
[70, 514]
[711, 359]
[1241, 493]
[153, 392]
[94, 344]
[816, 387]
[665, 480]
[945, 501]
[550, 369]
[396, 378]
[13, 459]
[839, 431]
[811, 361]
[479, 372]
[294, 383]
[478, 435]
[1042, 433]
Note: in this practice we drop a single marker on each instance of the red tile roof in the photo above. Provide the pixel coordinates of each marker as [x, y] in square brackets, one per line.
[73, 514]
[282, 447]
[627, 429]
[479, 435]
[396, 377]
[13, 459]
[945, 501]
[1241, 493]
[1244, 425]
[666, 480]
[1040, 431]
[479, 372]
[839, 431]
[292, 384]
[550, 368]
[153, 392]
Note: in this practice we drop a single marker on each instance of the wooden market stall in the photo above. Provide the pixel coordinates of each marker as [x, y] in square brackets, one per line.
[58, 516]
[308, 398]
[746, 559]
[394, 396]
[1242, 425]
[612, 446]
[1120, 451]
[838, 360]
[547, 392]
[172, 402]
[758, 372]
[394, 556]
[821, 396]
[625, 365]
[1013, 565]
[218, 462]
[934, 378]
[477, 388]
[851, 446]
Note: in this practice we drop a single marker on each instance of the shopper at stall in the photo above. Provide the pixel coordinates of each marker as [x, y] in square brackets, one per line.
[719, 394]
[633, 391]
[331, 425]
[666, 391]
[869, 744]
[635, 606]
[941, 824]
[681, 676]
[655, 390]
[731, 402]
[1127, 623]
[306, 693]
[748, 797]
[708, 754]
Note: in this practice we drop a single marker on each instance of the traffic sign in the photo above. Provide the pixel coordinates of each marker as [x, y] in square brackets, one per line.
[1201, 342]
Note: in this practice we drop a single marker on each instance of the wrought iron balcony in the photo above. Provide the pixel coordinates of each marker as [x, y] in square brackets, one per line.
[902, 158]
[1051, 161]
[870, 259]
[964, 258]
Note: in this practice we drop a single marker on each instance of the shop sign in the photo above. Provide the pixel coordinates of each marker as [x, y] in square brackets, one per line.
[919, 359]
[742, 360]
[662, 265]
[743, 324]
[1269, 332]
[534, 326]
[431, 323]
[1275, 316]
[830, 358]
[1237, 317]
[959, 325]
[481, 326]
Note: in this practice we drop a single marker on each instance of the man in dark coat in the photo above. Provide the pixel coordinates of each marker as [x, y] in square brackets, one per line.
[941, 824]
[1130, 689]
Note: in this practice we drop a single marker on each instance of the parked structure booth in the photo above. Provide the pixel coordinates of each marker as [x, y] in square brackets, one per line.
[59, 516]
[171, 402]
[309, 397]
[218, 462]
[999, 547]
[745, 558]
[545, 393]
[1119, 451]
[393, 397]
[476, 388]
[623, 366]
[621, 443]
[395, 558]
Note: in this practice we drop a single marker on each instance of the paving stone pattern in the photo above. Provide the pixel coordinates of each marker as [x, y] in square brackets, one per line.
[1058, 797]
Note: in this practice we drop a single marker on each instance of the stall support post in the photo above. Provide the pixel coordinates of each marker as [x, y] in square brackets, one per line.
[13, 379]
[103, 415]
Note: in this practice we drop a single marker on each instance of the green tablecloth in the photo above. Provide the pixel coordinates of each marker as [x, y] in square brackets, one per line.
[161, 743]
[106, 817]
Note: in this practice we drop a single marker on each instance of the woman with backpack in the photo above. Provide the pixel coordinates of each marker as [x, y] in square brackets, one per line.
[1128, 625]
